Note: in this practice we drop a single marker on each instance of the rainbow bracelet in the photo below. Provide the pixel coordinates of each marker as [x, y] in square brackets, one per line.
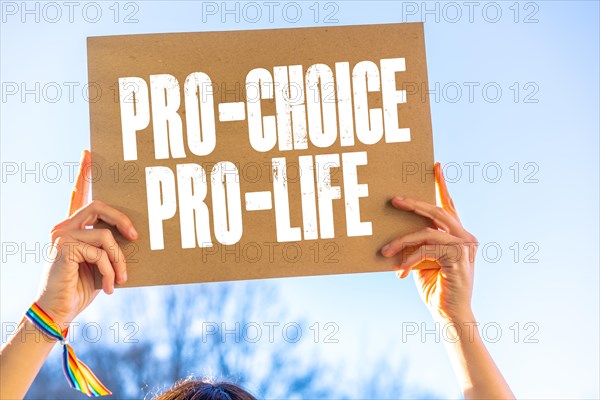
[78, 374]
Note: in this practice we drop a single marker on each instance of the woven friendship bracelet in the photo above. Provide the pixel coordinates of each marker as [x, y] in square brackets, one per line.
[78, 374]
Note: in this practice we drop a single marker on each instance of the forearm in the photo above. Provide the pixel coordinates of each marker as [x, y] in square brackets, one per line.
[21, 359]
[478, 375]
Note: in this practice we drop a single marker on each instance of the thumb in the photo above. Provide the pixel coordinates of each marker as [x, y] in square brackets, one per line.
[447, 203]
[81, 191]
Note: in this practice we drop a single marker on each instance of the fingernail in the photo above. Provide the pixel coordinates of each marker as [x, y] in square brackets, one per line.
[385, 248]
[133, 233]
[124, 277]
[399, 198]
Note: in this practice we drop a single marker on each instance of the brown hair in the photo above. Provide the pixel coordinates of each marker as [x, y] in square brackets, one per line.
[193, 389]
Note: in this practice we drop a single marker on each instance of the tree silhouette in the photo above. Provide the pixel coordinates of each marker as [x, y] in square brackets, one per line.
[169, 333]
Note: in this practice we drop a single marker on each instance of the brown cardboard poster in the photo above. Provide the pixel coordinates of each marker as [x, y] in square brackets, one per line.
[263, 153]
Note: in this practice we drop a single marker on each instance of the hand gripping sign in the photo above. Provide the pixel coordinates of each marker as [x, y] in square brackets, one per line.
[266, 153]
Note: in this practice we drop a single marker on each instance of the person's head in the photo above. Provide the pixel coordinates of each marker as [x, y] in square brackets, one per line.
[192, 389]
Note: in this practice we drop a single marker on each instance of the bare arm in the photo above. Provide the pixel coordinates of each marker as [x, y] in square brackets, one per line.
[476, 371]
[446, 289]
[21, 359]
[68, 283]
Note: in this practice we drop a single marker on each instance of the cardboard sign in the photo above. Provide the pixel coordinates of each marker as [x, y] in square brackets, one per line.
[264, 153]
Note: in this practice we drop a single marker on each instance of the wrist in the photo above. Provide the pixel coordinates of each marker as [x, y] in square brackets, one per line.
[29, 332]
[460, 328]
[61, 319]
[460, 317]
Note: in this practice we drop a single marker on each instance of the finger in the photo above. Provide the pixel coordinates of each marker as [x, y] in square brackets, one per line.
[98, 211]
[104, 239]
[440, 217]
[423, 237]
[81, 190]
[95, 255]
[443, 255]
[402, 273]
[442, 188]
[79, 252]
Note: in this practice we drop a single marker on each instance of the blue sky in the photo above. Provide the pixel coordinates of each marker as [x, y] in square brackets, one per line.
[544, 124]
